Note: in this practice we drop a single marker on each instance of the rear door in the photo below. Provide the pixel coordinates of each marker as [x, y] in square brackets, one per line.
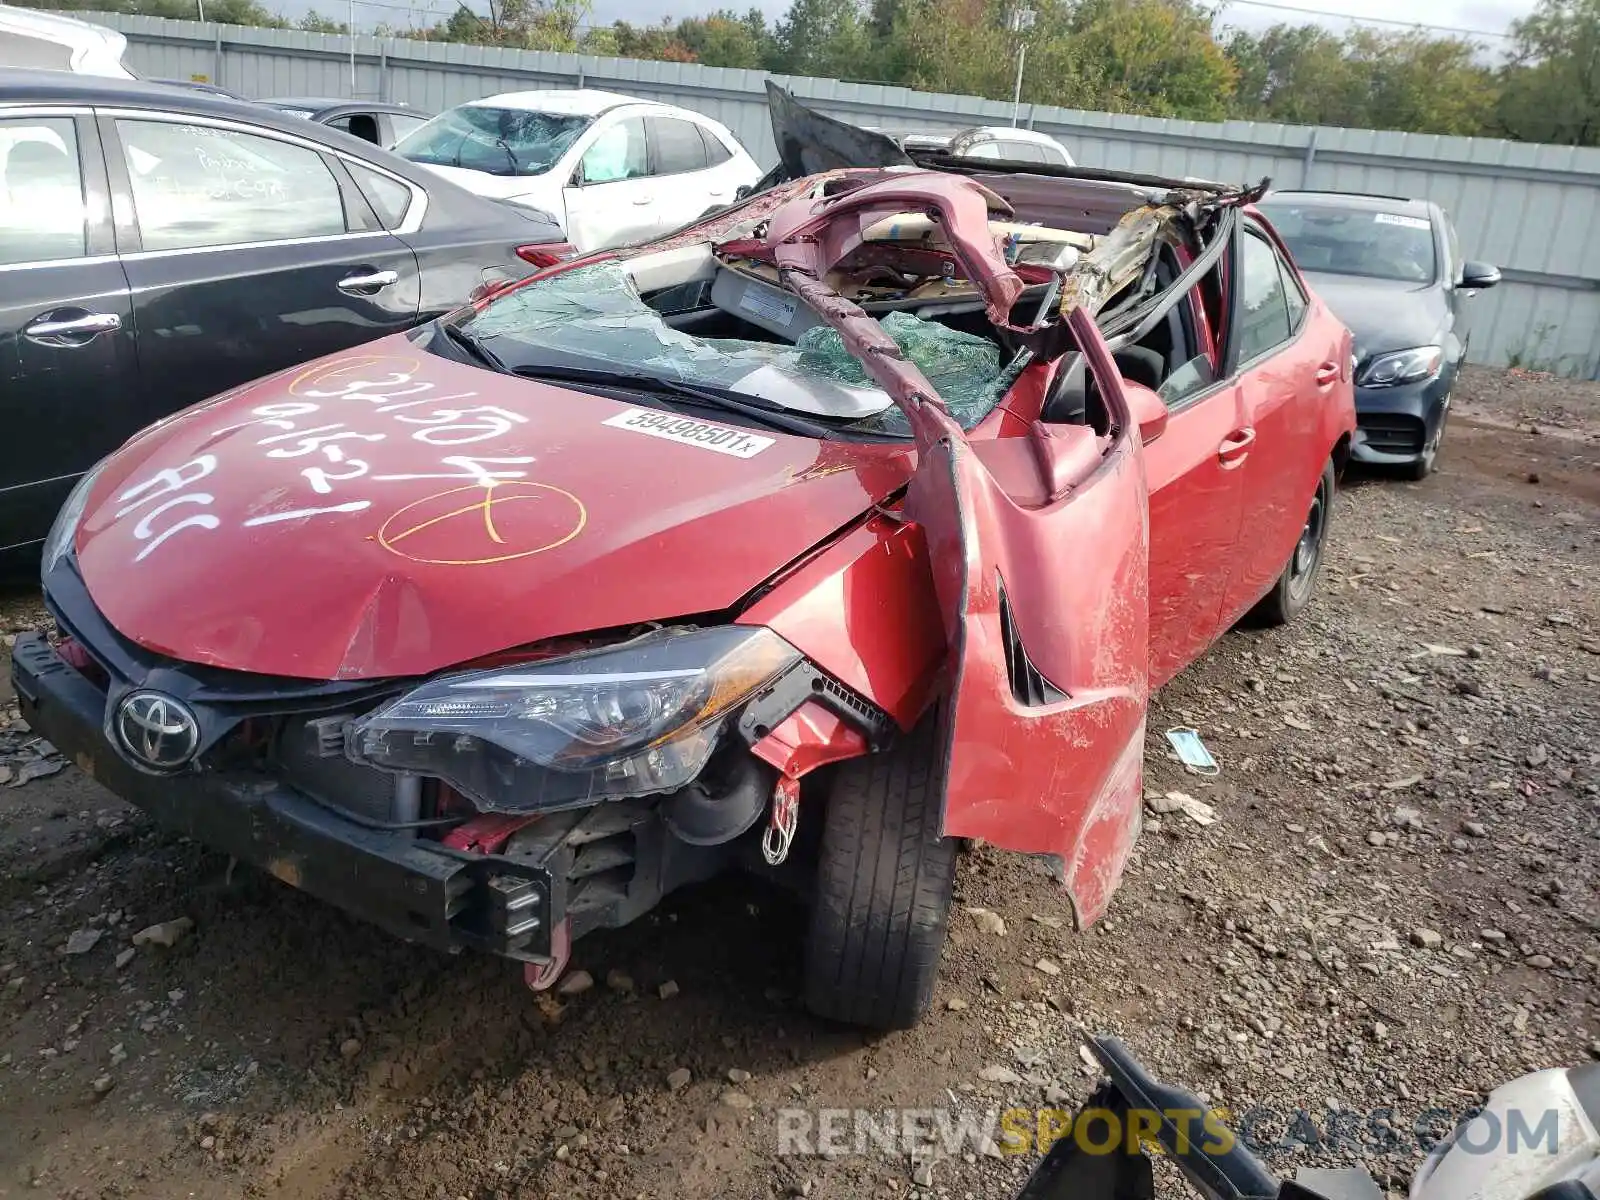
[1287, 366]
[247, 251]
[68, 371]
[689, 183]
[1046, 611]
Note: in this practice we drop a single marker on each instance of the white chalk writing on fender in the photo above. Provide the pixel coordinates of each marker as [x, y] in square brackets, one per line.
[308, 429]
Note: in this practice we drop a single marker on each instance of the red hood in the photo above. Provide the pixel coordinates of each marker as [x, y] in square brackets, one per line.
[389, 512]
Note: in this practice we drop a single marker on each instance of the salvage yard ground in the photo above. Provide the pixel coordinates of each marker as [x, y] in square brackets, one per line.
[1395, 908]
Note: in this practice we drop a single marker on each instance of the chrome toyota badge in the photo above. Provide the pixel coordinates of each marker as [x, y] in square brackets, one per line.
[157, 731]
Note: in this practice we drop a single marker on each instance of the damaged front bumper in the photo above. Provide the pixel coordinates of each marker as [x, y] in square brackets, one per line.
[417, 890]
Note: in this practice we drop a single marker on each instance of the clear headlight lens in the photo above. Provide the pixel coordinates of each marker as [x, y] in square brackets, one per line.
[1402, 366]
[59, 540]
[628, 720]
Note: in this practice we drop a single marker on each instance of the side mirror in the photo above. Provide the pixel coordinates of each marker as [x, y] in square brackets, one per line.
[1475, 276]
[1149, 412]
[577, 175]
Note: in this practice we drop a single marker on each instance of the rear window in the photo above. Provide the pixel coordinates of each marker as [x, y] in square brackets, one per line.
[496, 141]
[16, 50]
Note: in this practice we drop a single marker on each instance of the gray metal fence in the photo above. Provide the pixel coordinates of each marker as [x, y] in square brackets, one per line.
[1533, 210]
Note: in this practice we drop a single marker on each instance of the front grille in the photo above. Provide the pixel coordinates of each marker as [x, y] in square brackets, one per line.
[1029, 687]
[1392, 433]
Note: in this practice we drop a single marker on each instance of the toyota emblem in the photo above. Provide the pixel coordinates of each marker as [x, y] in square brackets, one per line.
[158, 731]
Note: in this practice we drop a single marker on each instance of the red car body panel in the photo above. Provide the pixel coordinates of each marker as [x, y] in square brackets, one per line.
[409, 555]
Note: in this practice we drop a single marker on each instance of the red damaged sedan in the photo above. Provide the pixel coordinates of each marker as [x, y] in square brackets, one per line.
[859, 519]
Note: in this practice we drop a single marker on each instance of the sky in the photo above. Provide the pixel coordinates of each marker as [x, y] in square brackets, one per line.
[1485, 18]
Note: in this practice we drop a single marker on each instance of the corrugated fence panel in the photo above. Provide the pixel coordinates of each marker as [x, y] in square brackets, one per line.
[1534, 210]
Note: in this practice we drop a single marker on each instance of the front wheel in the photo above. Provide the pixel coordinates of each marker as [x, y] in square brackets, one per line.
[1429, 458]
[1293, 590]
[885, 880]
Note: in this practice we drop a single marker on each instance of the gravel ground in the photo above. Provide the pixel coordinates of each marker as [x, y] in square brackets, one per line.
[1394, 910]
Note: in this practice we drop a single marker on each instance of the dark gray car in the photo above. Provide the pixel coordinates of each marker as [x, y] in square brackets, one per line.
[161, 246]
[1392, 270]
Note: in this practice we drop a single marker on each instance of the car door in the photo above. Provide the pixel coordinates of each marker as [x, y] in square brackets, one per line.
[689, 184]
[1196, 490]
[247, 251]
[68, 370]
[610, 199]
[1287, 365]
[1046, 617]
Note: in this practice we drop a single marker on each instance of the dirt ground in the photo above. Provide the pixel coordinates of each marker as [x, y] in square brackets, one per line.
[1395, 909]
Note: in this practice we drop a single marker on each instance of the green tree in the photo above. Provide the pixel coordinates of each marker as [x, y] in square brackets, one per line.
[1159, 57]
[315, 22]
[1550, 92]
[827, 38]
[726, 39]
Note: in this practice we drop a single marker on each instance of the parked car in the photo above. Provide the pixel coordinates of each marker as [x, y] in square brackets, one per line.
[44, 41]
[182, 244]
[679, 558]
[1393, 271]
[373, 121]
[996, 141]
[611, 168]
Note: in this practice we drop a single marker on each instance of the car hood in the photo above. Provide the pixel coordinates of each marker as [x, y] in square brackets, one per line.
[389, 513]
[1383, 314]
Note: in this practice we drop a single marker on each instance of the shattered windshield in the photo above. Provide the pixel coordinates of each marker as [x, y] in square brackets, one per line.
[497, 141]
[1355, 241]
[594, 317]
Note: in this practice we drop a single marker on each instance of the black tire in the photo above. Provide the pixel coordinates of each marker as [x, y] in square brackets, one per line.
[1292, 591]
[885, 880]
[1429, 458]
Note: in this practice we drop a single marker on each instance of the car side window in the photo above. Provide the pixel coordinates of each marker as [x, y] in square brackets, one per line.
[717, 151]
[677, 146]
[1453, 247]
[403, 124]
[197, 185]
[617, 154]
[389, 198]
[1264, 311]
[1294, 299]
[41, 191]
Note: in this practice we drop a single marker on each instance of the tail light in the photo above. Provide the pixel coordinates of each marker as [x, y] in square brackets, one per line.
[546, 254]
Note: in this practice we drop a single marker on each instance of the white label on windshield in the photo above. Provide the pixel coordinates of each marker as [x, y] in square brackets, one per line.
[703, 434]
[764, 303]
[1397, 219]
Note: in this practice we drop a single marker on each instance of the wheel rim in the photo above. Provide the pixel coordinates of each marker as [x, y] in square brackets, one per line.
[1309, 547]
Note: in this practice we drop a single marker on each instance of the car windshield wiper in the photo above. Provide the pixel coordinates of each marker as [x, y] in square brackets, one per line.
[706, 397]
[474, 346]
[510, 154]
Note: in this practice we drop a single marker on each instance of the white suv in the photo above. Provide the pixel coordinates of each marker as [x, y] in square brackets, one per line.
[610, 169]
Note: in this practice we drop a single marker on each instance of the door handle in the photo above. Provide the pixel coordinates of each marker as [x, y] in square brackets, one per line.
[1328, 374]
[644, 200]
[1235, 446]
[371, 282]
[71, 331]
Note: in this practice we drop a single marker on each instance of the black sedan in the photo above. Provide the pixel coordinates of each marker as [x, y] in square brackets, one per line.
[1391, 270]
[158, 247]
[373, 121]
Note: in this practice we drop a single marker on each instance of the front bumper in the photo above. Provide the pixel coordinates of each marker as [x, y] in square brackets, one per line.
[417, 890]
[1395, 425]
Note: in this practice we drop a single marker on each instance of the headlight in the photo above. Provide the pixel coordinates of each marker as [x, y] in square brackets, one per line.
[1402, 366]
[59, 540]
[628, 720]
